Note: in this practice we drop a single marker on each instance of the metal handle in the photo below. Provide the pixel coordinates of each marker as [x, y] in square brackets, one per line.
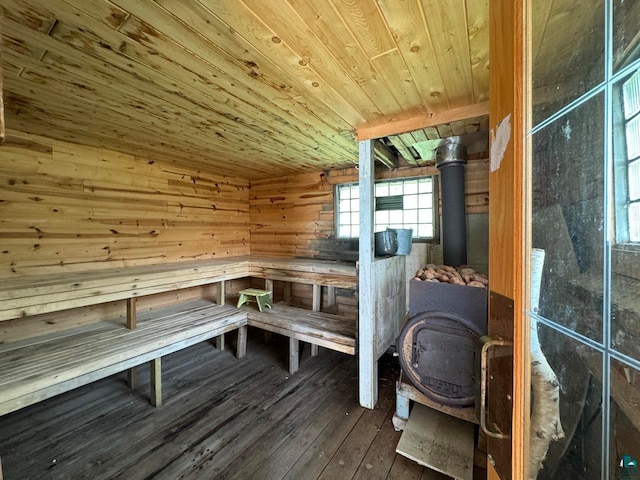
[488, 343]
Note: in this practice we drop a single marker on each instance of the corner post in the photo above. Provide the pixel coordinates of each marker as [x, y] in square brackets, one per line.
[368, 362]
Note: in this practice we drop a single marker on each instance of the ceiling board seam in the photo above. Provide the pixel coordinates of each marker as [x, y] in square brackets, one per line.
[205, 61]
[339, 65]
[276, 66]
[468, 41]
[258, 109]
[439, 56]
[160, 118]
[230, 59]
[404, 61]
[426, 28]
[379, 77]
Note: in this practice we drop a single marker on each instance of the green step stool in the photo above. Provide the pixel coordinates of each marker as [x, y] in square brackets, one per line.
[261, 297]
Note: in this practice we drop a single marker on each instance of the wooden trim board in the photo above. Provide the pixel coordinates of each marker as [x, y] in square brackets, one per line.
[417, 122]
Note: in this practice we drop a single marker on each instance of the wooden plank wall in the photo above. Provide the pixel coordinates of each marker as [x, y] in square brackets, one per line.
[65, 207]
[289, 213]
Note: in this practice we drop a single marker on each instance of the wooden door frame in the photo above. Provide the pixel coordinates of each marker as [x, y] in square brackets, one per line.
[509, 231]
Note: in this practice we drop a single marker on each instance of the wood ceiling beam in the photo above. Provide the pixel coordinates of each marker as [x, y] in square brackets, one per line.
[396, 127]
[384, 155]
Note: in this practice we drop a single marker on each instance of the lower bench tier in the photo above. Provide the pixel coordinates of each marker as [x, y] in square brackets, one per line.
[36, 369]
[323, 329]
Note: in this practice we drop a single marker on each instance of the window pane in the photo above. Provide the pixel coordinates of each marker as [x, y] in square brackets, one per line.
[410, 216]
[355, 191]
[410, 186]
[631, 93]
[568, 217]
[382, 217]
[425, 186]
[424, 231]
[344, 231]
[633, 138]
[577, 455]
[344, 191]
[345, 205]
[424, 213]
[634, 180]
[568, 56]
[410, 201]
[355, 205]
[395, 216]
[634, 222]
[382, 189]
[345, 218]
[626, 18]
[623, 423]
[395, 188]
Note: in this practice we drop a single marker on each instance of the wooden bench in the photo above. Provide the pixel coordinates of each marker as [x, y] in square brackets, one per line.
[41, 367]
[317, 328]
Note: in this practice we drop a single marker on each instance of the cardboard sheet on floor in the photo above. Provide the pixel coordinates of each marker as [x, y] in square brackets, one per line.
[438, 441]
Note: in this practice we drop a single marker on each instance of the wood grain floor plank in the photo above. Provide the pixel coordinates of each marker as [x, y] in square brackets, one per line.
[223, 417]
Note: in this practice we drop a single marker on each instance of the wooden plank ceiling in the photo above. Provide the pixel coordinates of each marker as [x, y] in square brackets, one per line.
[251, 88]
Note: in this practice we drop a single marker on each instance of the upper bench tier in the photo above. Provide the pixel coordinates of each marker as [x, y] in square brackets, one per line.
[33, 295]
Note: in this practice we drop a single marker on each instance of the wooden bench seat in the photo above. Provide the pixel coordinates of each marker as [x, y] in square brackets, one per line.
[317, 328]
[41, 367]
[25, 296]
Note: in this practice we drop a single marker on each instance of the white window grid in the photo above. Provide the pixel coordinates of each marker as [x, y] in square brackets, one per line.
[418, 198]
[631, 98]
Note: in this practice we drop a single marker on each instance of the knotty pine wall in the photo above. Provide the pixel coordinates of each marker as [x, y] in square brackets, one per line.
[289, 213]
[66, 207]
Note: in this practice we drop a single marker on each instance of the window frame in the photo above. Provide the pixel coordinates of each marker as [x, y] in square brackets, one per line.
[435, 206]
[621, 167]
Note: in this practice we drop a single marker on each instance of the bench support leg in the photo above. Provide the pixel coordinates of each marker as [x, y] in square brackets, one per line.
[156, 381]
[131, 313]
[242, 342]
[314, 350]
[294, 355]
[222, 294]
[132, 378]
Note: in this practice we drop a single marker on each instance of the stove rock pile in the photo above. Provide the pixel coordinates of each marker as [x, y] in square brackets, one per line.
[447, 274]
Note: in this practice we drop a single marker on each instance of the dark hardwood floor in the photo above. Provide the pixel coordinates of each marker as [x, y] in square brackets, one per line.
[222, 418]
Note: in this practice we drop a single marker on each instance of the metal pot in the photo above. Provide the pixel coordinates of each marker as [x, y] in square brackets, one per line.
[386, 243]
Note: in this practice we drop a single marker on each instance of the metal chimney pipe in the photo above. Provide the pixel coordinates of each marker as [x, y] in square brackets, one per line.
[450, 160]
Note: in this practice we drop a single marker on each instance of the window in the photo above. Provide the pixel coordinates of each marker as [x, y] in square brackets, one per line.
[407, 203]
[631, 101]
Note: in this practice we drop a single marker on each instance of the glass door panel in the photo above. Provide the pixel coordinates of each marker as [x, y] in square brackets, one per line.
[568, 52]
[568, 217]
